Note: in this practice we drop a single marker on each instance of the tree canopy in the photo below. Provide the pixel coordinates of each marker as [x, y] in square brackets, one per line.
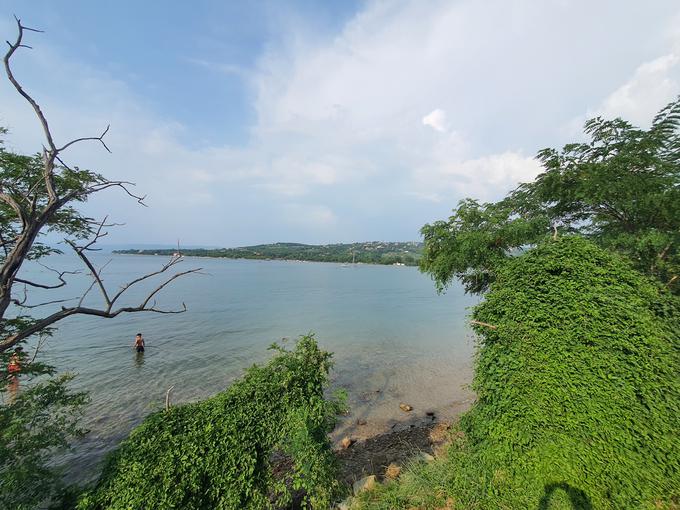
[621, 189]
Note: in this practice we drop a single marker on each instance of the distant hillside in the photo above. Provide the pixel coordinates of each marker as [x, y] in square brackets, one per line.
[374, 252]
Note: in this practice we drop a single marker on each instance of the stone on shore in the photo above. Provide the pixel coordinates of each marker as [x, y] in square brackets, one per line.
[424, 457]
[405, 407]
[365, 484]
[439, 433]
[345, 504]
[347, 442]
[392, 471]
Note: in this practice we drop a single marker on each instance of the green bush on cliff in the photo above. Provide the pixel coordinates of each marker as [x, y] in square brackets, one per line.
[219, 453]
[577, 378]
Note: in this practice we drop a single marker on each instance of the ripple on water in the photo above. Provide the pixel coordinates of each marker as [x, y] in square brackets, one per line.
[394, 339]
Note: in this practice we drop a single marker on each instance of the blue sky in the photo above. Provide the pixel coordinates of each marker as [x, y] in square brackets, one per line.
[249, 122]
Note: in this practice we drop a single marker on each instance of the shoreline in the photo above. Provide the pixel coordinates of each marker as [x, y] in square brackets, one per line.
[374, 446]
[378, 455]
[348, 264]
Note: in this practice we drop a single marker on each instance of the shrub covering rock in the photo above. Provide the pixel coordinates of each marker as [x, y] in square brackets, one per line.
[217, 454]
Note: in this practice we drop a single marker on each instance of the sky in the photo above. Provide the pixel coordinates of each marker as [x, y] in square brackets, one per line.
[318, 122]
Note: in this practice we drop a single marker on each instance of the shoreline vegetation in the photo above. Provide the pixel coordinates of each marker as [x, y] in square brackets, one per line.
[371, 252]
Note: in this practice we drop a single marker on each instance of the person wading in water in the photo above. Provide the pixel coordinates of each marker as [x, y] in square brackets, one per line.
[139, 343]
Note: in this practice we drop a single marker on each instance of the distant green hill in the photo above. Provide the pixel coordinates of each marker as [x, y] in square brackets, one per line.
[374, 252]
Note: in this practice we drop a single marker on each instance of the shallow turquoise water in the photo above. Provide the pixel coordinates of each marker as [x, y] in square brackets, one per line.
[393, 337]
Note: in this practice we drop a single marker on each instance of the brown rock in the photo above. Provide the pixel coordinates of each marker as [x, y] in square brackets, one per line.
[345, 504]
[392, 471]
[365, 484]
[347, 442]
[424, 457]
[361, 422]
[439, 433]
[405, 407]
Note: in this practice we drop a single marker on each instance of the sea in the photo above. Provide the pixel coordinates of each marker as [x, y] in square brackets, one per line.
[394, 339]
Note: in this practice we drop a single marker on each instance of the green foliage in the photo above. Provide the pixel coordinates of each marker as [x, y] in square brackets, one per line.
[37, 421]
[219, 453]
[367, 253]
[621, 190]
[21, 177]
[578, 392]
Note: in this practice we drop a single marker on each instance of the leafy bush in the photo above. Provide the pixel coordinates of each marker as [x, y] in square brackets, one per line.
[578, 392]
[36, 421]
[218, 453]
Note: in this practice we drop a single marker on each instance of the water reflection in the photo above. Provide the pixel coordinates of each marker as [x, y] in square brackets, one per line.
[139, 359]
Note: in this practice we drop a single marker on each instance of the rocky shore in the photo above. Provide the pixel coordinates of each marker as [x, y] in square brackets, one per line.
[384, 455]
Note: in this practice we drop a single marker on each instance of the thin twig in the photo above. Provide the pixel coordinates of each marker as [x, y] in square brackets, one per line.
[167, 398]
[485, 324]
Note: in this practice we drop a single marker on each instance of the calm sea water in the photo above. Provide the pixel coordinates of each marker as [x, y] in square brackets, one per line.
[394, 340]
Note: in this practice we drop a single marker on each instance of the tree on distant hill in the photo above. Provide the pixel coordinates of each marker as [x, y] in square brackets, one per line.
[621, 189]
[37, 195]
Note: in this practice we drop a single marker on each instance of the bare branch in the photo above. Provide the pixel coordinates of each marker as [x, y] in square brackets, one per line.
[23, 305]
[167, 282]
[41, 324]
[485, 324]
[167, 398]
[12, 48]
[82, 298]
[120, 184]
[99, 138]
[95, 274]
[60, 276]
[41, 342]
[173, 261]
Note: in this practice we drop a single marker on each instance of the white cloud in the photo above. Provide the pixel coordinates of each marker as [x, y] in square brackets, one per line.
[436, 120]
[339, 143]
[309, 216]
[652, 86]
[480, 177]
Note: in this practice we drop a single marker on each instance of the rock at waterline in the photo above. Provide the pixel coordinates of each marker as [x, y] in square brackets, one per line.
[405, 407]
[365, 484]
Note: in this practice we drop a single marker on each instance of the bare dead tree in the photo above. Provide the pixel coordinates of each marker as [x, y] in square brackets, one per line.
[41, 205]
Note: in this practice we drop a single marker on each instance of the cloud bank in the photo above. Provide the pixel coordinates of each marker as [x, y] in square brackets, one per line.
[367, 133]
